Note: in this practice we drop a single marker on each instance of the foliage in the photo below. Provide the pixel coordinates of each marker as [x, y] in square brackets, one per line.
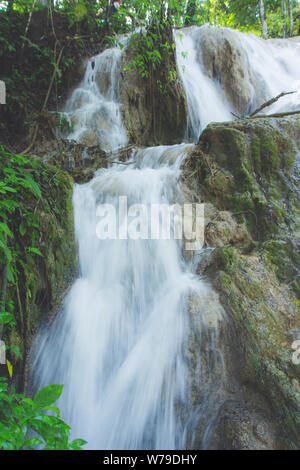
[241, 15]
[22, 417]
[24, 181]
[30, 57]
[147, 55]
[17, 184]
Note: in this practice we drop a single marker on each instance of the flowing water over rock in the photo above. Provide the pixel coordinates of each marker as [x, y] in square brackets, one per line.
[137, 342]
[121, 344]
[94, 109]
[225, 71]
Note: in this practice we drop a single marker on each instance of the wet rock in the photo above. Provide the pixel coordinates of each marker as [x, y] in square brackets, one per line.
[225, 59]
[246, 173]
[262, 311]
[224, 230]
[250, 168]
[240, 427]
[153, 108]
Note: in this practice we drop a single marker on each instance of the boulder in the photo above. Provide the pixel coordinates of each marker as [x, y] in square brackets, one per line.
[225, 59]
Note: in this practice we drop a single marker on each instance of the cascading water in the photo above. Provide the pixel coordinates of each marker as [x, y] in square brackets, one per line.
[94, 111]
[269, 68]
[136, 343]
[204, 96]
[120, 345]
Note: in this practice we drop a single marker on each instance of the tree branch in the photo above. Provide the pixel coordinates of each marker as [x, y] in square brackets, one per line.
[273, 100]
[288, 113]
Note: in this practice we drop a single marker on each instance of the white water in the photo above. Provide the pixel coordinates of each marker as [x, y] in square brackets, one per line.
[139, 331]
[274, 64]
[94, 110]
[120, 345]
[204, 95]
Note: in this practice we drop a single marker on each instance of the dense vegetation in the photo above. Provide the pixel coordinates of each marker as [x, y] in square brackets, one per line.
[41, 43]
[28, 198]
[39, 61]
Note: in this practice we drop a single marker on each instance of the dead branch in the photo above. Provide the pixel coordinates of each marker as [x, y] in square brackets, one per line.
[269, 102]
[131, 162]
[236, 115]
[276, 115]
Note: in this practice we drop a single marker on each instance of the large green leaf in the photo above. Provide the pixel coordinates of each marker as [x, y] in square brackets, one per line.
[77, 444]
[6, 317]
[6, 229]
[34, 250]
[48, 395]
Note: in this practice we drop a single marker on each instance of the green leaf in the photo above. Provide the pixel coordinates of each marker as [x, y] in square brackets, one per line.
[16, 350]
[6, 250]
[32, 185]
[77, 444]
[5, 229]
[55, 409]
[34, 441]
[6, 317]
[22, 228]
[34, 250]
[48, 395]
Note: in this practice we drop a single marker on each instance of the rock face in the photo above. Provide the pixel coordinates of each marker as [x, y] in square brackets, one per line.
[225, 59]
[247, 174]
[154, 108]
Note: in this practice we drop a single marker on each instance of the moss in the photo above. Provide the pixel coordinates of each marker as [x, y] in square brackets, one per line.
[254, 299]
[256, 154]
[256, 159]
[269, 152]
[225, 256]
[282, 256]
[244, 181]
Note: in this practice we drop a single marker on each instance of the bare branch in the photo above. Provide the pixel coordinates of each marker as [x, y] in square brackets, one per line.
[273, 100]
[288, 113]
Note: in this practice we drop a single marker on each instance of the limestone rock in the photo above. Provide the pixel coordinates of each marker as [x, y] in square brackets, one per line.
[154, 109]
[225, 59]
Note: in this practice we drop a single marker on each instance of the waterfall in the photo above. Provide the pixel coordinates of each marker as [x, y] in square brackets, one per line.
[94, 110]
[204, 96]
[257, 70]
[137, 341]
[120, 345]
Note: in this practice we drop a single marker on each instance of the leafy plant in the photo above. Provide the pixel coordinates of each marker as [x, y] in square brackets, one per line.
[27, 423]
[22, 417]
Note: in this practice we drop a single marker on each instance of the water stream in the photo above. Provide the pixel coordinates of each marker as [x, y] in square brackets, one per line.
[138, 334]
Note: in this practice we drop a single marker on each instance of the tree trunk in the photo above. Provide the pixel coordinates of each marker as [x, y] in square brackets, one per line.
[283, 14]
[291, 23]
[262, 13]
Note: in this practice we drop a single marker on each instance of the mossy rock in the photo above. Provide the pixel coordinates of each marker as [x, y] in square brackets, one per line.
[248, 167]
[262, 313]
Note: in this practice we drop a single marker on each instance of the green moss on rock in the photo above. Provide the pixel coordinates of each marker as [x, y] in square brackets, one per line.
[262, 313]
